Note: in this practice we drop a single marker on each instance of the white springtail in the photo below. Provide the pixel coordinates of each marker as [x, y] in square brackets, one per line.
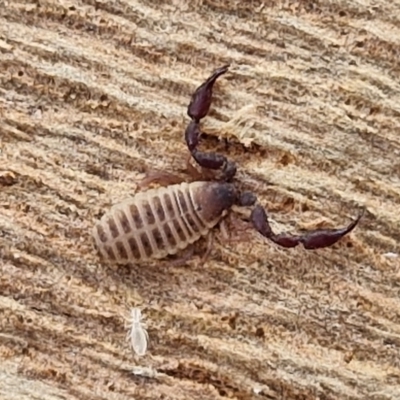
[137, 334]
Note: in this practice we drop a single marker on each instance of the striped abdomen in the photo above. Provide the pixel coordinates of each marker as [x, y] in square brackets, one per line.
[158, 222]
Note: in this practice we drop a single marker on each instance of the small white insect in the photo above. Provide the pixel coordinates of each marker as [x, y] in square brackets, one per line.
[137, 334]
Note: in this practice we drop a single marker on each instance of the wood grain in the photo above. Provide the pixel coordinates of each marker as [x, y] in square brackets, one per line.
[94, 93]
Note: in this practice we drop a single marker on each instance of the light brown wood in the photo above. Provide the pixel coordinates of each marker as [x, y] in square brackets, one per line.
[93, 94]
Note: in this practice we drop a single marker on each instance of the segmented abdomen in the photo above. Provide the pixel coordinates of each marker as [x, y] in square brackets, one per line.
[152, 224]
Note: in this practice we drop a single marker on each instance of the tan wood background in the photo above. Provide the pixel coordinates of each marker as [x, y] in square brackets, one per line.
[94, 93]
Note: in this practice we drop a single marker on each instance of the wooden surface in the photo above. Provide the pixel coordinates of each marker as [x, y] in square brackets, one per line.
[94, 93]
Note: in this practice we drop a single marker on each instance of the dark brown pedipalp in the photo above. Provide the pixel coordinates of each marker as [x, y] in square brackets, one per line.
[198, 108]
[316, 239]
[200, 101]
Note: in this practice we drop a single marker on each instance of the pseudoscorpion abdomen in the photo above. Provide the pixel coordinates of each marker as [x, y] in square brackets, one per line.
[155, 223]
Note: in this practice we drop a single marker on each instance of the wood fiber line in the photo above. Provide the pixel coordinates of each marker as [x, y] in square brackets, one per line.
[94, 94]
